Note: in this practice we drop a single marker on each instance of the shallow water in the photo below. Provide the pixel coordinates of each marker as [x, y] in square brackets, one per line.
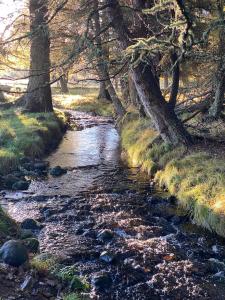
[156, 253]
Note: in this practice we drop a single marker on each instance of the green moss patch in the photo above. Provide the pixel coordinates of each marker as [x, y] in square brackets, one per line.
[195, 177]
[27, 134]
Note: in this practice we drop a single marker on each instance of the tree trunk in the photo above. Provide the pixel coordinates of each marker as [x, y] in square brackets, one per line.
[217, 106]
[63, 84]
[175, 81]
[103, 92]
[164, 119]
[39, 97]
[103, 67]
[135, 100]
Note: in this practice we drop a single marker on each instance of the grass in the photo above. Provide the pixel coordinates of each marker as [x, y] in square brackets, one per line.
[29, 134]
[83, 99]
[195, 176]
[7, 226]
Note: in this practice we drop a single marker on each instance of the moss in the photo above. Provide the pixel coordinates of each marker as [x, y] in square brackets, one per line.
[196, 178]
[73, 296]
[27, 135]
[7, 226]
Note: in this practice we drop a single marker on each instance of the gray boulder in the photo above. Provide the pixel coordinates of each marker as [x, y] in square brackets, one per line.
[14, 253]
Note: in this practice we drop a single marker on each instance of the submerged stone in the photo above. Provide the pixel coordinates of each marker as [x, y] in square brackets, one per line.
[57, 171]
[107, 257]
[14, 253]
[30, 224]
[20, 185]
[102, 282]
[105, 235]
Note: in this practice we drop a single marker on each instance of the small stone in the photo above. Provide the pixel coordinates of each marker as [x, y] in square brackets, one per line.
[105, 235]
[102, 282]
[30, 224]
[14, 253]
[107, 257]
[57, 171]
[20, 185]
[27, 284]
[31, 244]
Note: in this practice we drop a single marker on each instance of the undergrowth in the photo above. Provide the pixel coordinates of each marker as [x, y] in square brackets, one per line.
[29, 134]
[195, 177]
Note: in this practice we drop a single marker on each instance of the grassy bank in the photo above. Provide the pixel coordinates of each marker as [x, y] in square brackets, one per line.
[31, 135]
[83, 99]
[195, 176]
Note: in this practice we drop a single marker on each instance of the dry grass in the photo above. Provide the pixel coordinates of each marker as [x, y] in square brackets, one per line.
[195, 176]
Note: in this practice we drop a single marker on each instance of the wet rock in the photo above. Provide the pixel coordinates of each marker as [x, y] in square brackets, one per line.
[18, 174]
[102, 282]
[24, 160]
[14, 253]
[107, 257]
[31, 244]
[10, 180]
[26, 233]
[57, 171]
[105, 235]
[41, 166]
[30, 224]
[28, 283]
[215, 266]
[20, 185]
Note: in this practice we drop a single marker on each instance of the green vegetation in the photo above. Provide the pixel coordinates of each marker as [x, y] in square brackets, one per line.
[73, 296]
[196, 177]
[7, 225]
[27, 134]
[84, 99]
[48, 264]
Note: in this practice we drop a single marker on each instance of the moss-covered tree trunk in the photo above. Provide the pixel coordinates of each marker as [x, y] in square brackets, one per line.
[163, 117]
[38, 97]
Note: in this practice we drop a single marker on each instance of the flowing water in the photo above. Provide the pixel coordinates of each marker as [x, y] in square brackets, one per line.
[104, 218]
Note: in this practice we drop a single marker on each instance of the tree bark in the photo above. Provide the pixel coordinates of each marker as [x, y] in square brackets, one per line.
[63, 84]
[39, 97]
[217, 106]
[103, 92]
[164, 119]
[175, 81]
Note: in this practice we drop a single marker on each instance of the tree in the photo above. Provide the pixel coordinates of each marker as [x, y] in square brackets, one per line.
[163, 117]
[38, 97]
[102, 64]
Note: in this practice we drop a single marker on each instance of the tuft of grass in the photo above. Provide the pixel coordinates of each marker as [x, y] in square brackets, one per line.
[27, 134]
[196, 178]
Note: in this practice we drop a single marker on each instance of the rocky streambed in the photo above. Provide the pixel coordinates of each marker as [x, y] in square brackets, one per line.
[108, 222]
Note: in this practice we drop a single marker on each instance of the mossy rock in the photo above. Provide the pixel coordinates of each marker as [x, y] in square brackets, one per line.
[32, 245]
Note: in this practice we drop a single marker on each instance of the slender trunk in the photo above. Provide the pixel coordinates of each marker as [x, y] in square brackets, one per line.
[135, 99]
[103, 67]
[165, 81]
[103, 92]
[63, 84]
[175, 81]
[217, 106]
[2, 97]
[164, 119]
[39, 97]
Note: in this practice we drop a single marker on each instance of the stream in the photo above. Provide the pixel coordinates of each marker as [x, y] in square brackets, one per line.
[105, 218]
